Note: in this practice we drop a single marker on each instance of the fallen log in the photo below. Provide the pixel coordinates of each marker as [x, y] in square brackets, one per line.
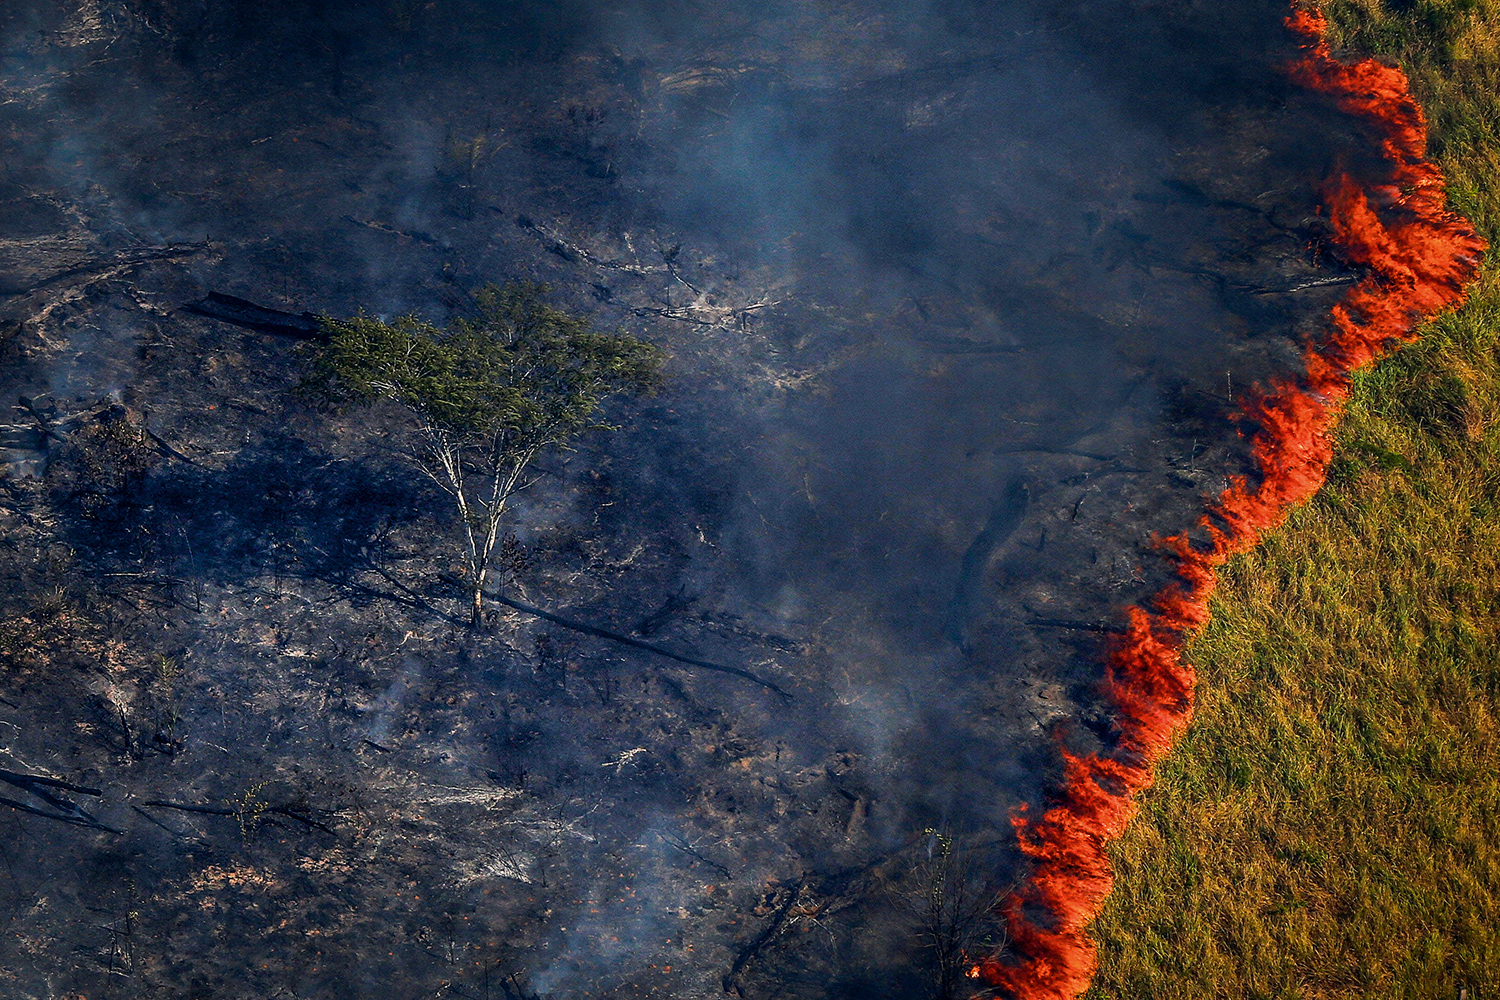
[243, 312]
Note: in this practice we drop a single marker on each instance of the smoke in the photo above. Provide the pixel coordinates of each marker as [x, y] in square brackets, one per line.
[1417, 257]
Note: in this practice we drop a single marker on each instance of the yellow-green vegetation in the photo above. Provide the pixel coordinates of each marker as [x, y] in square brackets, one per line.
[1330, 826]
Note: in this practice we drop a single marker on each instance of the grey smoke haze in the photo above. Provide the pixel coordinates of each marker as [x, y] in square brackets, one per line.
[957, 296]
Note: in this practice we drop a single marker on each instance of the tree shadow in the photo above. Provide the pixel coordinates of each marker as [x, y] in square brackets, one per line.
[276, 514]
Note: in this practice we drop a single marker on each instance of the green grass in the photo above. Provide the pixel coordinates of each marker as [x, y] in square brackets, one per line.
[1330, 826]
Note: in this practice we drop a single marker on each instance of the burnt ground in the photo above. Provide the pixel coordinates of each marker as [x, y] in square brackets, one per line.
[957, 303]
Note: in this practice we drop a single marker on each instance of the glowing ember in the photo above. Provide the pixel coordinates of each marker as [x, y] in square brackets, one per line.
[1418, 257]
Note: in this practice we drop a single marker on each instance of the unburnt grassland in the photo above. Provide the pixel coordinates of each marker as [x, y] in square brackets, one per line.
[1330, 826]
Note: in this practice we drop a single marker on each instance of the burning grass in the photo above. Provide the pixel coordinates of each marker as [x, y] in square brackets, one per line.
[1330, 826]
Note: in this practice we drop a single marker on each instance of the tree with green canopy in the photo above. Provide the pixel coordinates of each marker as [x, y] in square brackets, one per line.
[489, 394]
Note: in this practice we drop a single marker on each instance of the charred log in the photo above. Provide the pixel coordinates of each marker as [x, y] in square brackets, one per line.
[242, 312]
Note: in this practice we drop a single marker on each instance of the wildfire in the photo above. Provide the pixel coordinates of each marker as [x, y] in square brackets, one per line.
[1417, 256]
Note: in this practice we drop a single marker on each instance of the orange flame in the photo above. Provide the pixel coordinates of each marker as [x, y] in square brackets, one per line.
[1417, 256]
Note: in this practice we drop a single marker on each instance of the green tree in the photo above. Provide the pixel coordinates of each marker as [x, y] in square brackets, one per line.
[489, 394]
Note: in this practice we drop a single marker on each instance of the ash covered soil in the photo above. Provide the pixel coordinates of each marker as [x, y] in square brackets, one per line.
[956, 299]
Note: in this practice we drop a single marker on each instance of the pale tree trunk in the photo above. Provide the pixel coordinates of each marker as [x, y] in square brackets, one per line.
[479, 560]
[504, 473]
[479, 568]
[476, 611]
[503, 482]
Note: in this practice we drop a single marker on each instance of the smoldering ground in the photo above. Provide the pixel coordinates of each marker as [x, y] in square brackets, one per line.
[957, 297]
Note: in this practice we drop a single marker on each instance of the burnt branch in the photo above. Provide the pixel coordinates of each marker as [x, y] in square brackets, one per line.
[731, 980]
[31, 781]
[66, 810]
[241, 815]
[682, 844]
[674, 604]
[80, 819]
[99, 269]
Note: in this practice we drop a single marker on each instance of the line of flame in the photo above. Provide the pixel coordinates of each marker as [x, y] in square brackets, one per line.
[1418, 256]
